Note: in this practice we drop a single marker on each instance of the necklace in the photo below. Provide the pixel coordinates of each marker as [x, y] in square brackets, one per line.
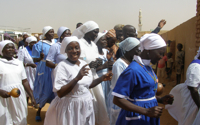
[153, 77]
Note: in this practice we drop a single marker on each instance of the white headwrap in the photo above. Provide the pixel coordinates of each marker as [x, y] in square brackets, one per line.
[151, 41]
[99, 36]
[3, 44]
[66, 41]
[31, 39]
[198, 54]
[45, 30]
[24, 33]
[85, 28]
[128, 44]
[60, 31]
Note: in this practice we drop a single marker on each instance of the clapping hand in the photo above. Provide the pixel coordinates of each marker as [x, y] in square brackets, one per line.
[83, 72]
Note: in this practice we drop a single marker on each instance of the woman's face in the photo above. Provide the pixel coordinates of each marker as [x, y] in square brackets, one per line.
[92, 35]
[102, 42]
[73, 51]
[32, 43]
[156, 55]
[66, 33]
[135, 51]
[111, 41]
[50, 34]
[8, 50]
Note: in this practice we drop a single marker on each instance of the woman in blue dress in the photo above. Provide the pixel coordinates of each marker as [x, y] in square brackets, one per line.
[43, 92]
[129, 47]
[136, 87]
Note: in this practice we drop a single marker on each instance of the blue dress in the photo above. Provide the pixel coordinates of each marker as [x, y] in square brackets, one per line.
[54, 54]
[138, 87]
[43, 88]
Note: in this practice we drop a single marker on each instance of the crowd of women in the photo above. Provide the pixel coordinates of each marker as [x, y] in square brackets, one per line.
[88, 77]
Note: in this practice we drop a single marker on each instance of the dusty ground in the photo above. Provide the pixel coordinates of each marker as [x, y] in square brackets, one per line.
[165, 119]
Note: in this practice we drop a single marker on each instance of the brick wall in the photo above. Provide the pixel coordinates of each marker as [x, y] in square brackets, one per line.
[198, 25]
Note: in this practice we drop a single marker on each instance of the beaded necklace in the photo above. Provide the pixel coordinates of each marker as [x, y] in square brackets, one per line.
[153, 77]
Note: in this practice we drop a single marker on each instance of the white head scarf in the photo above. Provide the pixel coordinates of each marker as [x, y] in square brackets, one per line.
[151, 41]
[60, 31]
[45, 30]
[31, 39]
[198, 54]
[24, 33]
[85, 28]
[128, 44]
[3, 44]
[99, 36]
[65, 42]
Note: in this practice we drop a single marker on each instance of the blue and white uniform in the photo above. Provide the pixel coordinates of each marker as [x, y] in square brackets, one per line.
[138, 87]
[43, 83]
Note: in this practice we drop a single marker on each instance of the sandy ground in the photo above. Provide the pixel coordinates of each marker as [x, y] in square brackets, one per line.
[165, 119]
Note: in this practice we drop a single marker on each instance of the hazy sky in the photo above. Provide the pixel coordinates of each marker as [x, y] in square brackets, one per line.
[36, 14]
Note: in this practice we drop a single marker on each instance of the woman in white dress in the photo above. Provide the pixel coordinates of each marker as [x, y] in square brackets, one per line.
[73, 78]
[13, 111]
[185, 108]
[87, 33]
[25, 55]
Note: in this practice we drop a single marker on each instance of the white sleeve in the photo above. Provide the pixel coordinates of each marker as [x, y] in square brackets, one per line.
[61, 77]
[23, 71]
[193, 75]
[20, 55]
[116, 70]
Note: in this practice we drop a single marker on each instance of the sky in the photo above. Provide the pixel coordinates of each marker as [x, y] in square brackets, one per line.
[35, 14]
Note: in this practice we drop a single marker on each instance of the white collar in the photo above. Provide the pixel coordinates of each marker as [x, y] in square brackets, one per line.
[13, 61]
[142, 61]
[48, 42]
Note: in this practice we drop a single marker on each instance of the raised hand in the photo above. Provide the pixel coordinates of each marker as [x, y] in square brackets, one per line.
[162, 23]
[154, 111]
[83, 72]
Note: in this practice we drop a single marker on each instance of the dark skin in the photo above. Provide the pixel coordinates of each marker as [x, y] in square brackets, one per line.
[8, 52]
[150, 112]
[48, 36]
[119, 35]
[102, 43]
[128, 56]
[130, 31]
[89, 37]
[73, 52]
[66, 33]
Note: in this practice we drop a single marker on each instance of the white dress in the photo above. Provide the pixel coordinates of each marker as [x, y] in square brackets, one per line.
[184, 109]
[76, 108]
[13, 111]
[24, 56]
[89, 53]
